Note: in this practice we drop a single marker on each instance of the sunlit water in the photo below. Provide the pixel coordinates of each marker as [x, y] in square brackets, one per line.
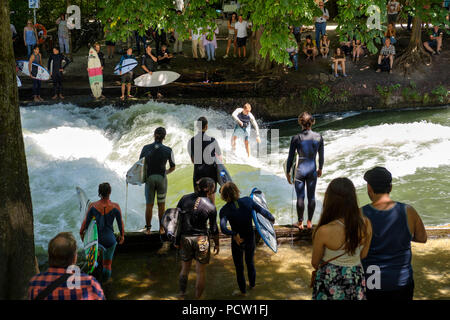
[68, 146]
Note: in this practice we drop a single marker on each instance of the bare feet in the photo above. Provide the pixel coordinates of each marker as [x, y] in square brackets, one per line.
[378, 70]
[122, 98]
[299, 225]
[309, 224]
[40, 99]
[61, 96]
[36, 99]
[159, 96]
[54, 97]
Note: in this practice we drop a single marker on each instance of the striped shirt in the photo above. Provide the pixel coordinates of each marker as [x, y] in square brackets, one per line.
[89, 289]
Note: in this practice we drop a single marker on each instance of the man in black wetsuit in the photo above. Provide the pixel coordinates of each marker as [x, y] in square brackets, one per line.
[204, 162]
[307, 144]
[197, 209]
[55, 67]
[156, 157]
[148, 63]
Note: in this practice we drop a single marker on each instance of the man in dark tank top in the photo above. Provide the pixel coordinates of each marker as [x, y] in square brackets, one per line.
[389, 274]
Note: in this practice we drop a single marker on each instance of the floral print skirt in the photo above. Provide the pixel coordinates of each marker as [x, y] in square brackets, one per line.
[339, 283]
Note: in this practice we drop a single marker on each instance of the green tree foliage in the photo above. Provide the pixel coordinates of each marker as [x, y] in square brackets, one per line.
[353, 16]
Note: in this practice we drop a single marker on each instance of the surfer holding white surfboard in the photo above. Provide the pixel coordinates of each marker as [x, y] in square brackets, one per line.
[243, 117]
[307, 144]
[239, 213]
[148, 63]
[35, 59]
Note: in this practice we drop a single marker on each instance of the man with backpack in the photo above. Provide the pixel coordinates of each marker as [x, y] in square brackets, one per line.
[55, 283]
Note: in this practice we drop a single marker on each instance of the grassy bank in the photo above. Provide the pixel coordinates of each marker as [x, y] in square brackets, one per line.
[284, 275]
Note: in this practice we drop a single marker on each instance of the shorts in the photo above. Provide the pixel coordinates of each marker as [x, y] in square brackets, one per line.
[231, 36]
[432, 44]
[241, 132]
[156, 183]
[195, 247]
[127, 77]
[110, 43]
[241, 42]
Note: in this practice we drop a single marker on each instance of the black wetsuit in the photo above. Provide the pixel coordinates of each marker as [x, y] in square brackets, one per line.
[55, 63]
[156, 157]
[239, 214]
[307, 144]
[204, 166]
[196, 216]
[148, 62]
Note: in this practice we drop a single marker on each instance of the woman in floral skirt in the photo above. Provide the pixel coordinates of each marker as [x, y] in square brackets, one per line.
[341, 239]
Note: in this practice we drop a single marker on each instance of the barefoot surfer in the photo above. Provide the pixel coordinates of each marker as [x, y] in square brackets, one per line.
[243, 118]
[307, 144]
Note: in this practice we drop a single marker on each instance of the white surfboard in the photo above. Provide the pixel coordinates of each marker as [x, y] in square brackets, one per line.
[42, 73]
[127, 66]
[136, 174]
[158, 78]
[19, 83]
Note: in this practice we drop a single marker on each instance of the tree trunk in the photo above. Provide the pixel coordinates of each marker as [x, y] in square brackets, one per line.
[261, 64]
[415, 55]
[17, 257]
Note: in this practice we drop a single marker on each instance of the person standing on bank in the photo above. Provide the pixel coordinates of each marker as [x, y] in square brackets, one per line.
[340, 241]
[321, 24]
[55, 67]
[395, 225]
[243, 117]
[204, 162]
[238, 211]
[193, 240]
[35, 57]
[126, 78]
[30, 37]
[307, 144]
[156, 157]
[149, 63]
[63, 33]
[241, 35]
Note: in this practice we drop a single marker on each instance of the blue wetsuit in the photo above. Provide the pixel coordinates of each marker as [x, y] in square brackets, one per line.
[239, 214]
[307, 144]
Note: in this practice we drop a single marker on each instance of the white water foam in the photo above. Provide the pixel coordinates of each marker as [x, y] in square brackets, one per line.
[68, 146]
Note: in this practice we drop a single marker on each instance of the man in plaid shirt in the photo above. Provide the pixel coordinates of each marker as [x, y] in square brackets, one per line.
[62, 252]
[386, 57]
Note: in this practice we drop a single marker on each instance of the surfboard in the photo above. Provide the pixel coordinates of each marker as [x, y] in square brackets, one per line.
[293, 168]
[170, 221]
[39, 71]
[222, 173]
[91, 236]
[156, 79]
[127, 66]
[136, 174]
[264, 226]
[19, 83]
[95, 73]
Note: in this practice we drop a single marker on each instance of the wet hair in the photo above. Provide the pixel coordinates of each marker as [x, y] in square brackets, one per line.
[306, 120]
[160, 134]
[247, 106]
[205, 186]
[230, 192]
[96, 44]
[204, 122]
[62, 250]
[104, 189]
[340, 201]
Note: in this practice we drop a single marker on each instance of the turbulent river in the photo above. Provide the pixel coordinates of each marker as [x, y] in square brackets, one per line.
[68, 146]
